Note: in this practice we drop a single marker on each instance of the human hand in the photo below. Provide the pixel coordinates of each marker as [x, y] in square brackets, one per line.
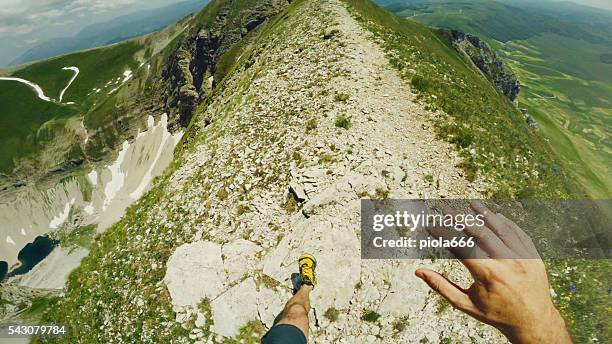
[509, 293]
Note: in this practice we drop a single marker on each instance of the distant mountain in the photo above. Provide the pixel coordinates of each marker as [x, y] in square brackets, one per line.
[113, 31]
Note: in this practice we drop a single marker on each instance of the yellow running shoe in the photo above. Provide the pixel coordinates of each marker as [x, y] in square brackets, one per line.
[307, 263]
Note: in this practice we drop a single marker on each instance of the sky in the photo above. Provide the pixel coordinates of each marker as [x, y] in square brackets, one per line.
[25, 23]
[596, 3]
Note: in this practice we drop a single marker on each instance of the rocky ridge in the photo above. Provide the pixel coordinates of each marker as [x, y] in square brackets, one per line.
[488, 62]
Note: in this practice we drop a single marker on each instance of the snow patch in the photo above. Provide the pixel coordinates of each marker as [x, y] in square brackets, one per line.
[61, 217]
[117, 176]
[146, 179]
[76, 72]
[127, 75]
[9, 240]
[89, 209]
[36, 88]
[93, 177]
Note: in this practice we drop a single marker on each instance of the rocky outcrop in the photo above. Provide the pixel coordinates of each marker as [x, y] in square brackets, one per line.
[488, 62]
[195, 60]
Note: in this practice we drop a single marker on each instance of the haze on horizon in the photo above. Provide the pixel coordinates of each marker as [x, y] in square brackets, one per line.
[25, 24]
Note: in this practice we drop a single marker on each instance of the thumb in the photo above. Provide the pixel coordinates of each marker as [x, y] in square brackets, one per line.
[449, 290]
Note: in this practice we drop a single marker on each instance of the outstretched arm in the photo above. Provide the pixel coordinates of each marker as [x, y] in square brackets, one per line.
[510, 294]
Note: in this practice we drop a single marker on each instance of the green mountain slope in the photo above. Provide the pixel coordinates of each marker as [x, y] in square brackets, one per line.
[30, 114]
[559, 53]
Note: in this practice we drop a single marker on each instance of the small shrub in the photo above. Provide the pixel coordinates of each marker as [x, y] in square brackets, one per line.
[332, 314]
[420, 83]
[311, 125]
[362, 194]
[222, 194]
[242, 208]
[428, 178]
[343, 122]
[327, 159]
[381, 193]
[290, 204]
[250, 333]
[399, 325]
[297, 157]
[370, 316]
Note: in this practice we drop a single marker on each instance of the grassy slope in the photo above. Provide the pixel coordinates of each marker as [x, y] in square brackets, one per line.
[585, 308]
[567, 91]
[489, 132]
[556, 52]
[24, 114]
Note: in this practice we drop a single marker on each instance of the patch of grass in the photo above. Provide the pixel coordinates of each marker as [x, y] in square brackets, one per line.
[341, 97]
[311, 125]
[79, 237]
[242, 209]
[420, 83]
[363, 194]
[290, 205]
[222, 194]
[342, 121]
[250, 333]
[332, 314]
[38, 306]
[23, 116]
[370, 316]
[268, 281]
[400, 324]
[442, 305]
[428, 178]
[381, 194]
[327, 159]
[28, 124]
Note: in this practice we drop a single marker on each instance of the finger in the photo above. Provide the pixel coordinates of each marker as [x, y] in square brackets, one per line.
[529, 249]
[474, 259]
[484, 238]
[449, 290]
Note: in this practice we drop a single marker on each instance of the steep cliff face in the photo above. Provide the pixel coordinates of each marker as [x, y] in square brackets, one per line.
[191, 71]
[488, 62]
